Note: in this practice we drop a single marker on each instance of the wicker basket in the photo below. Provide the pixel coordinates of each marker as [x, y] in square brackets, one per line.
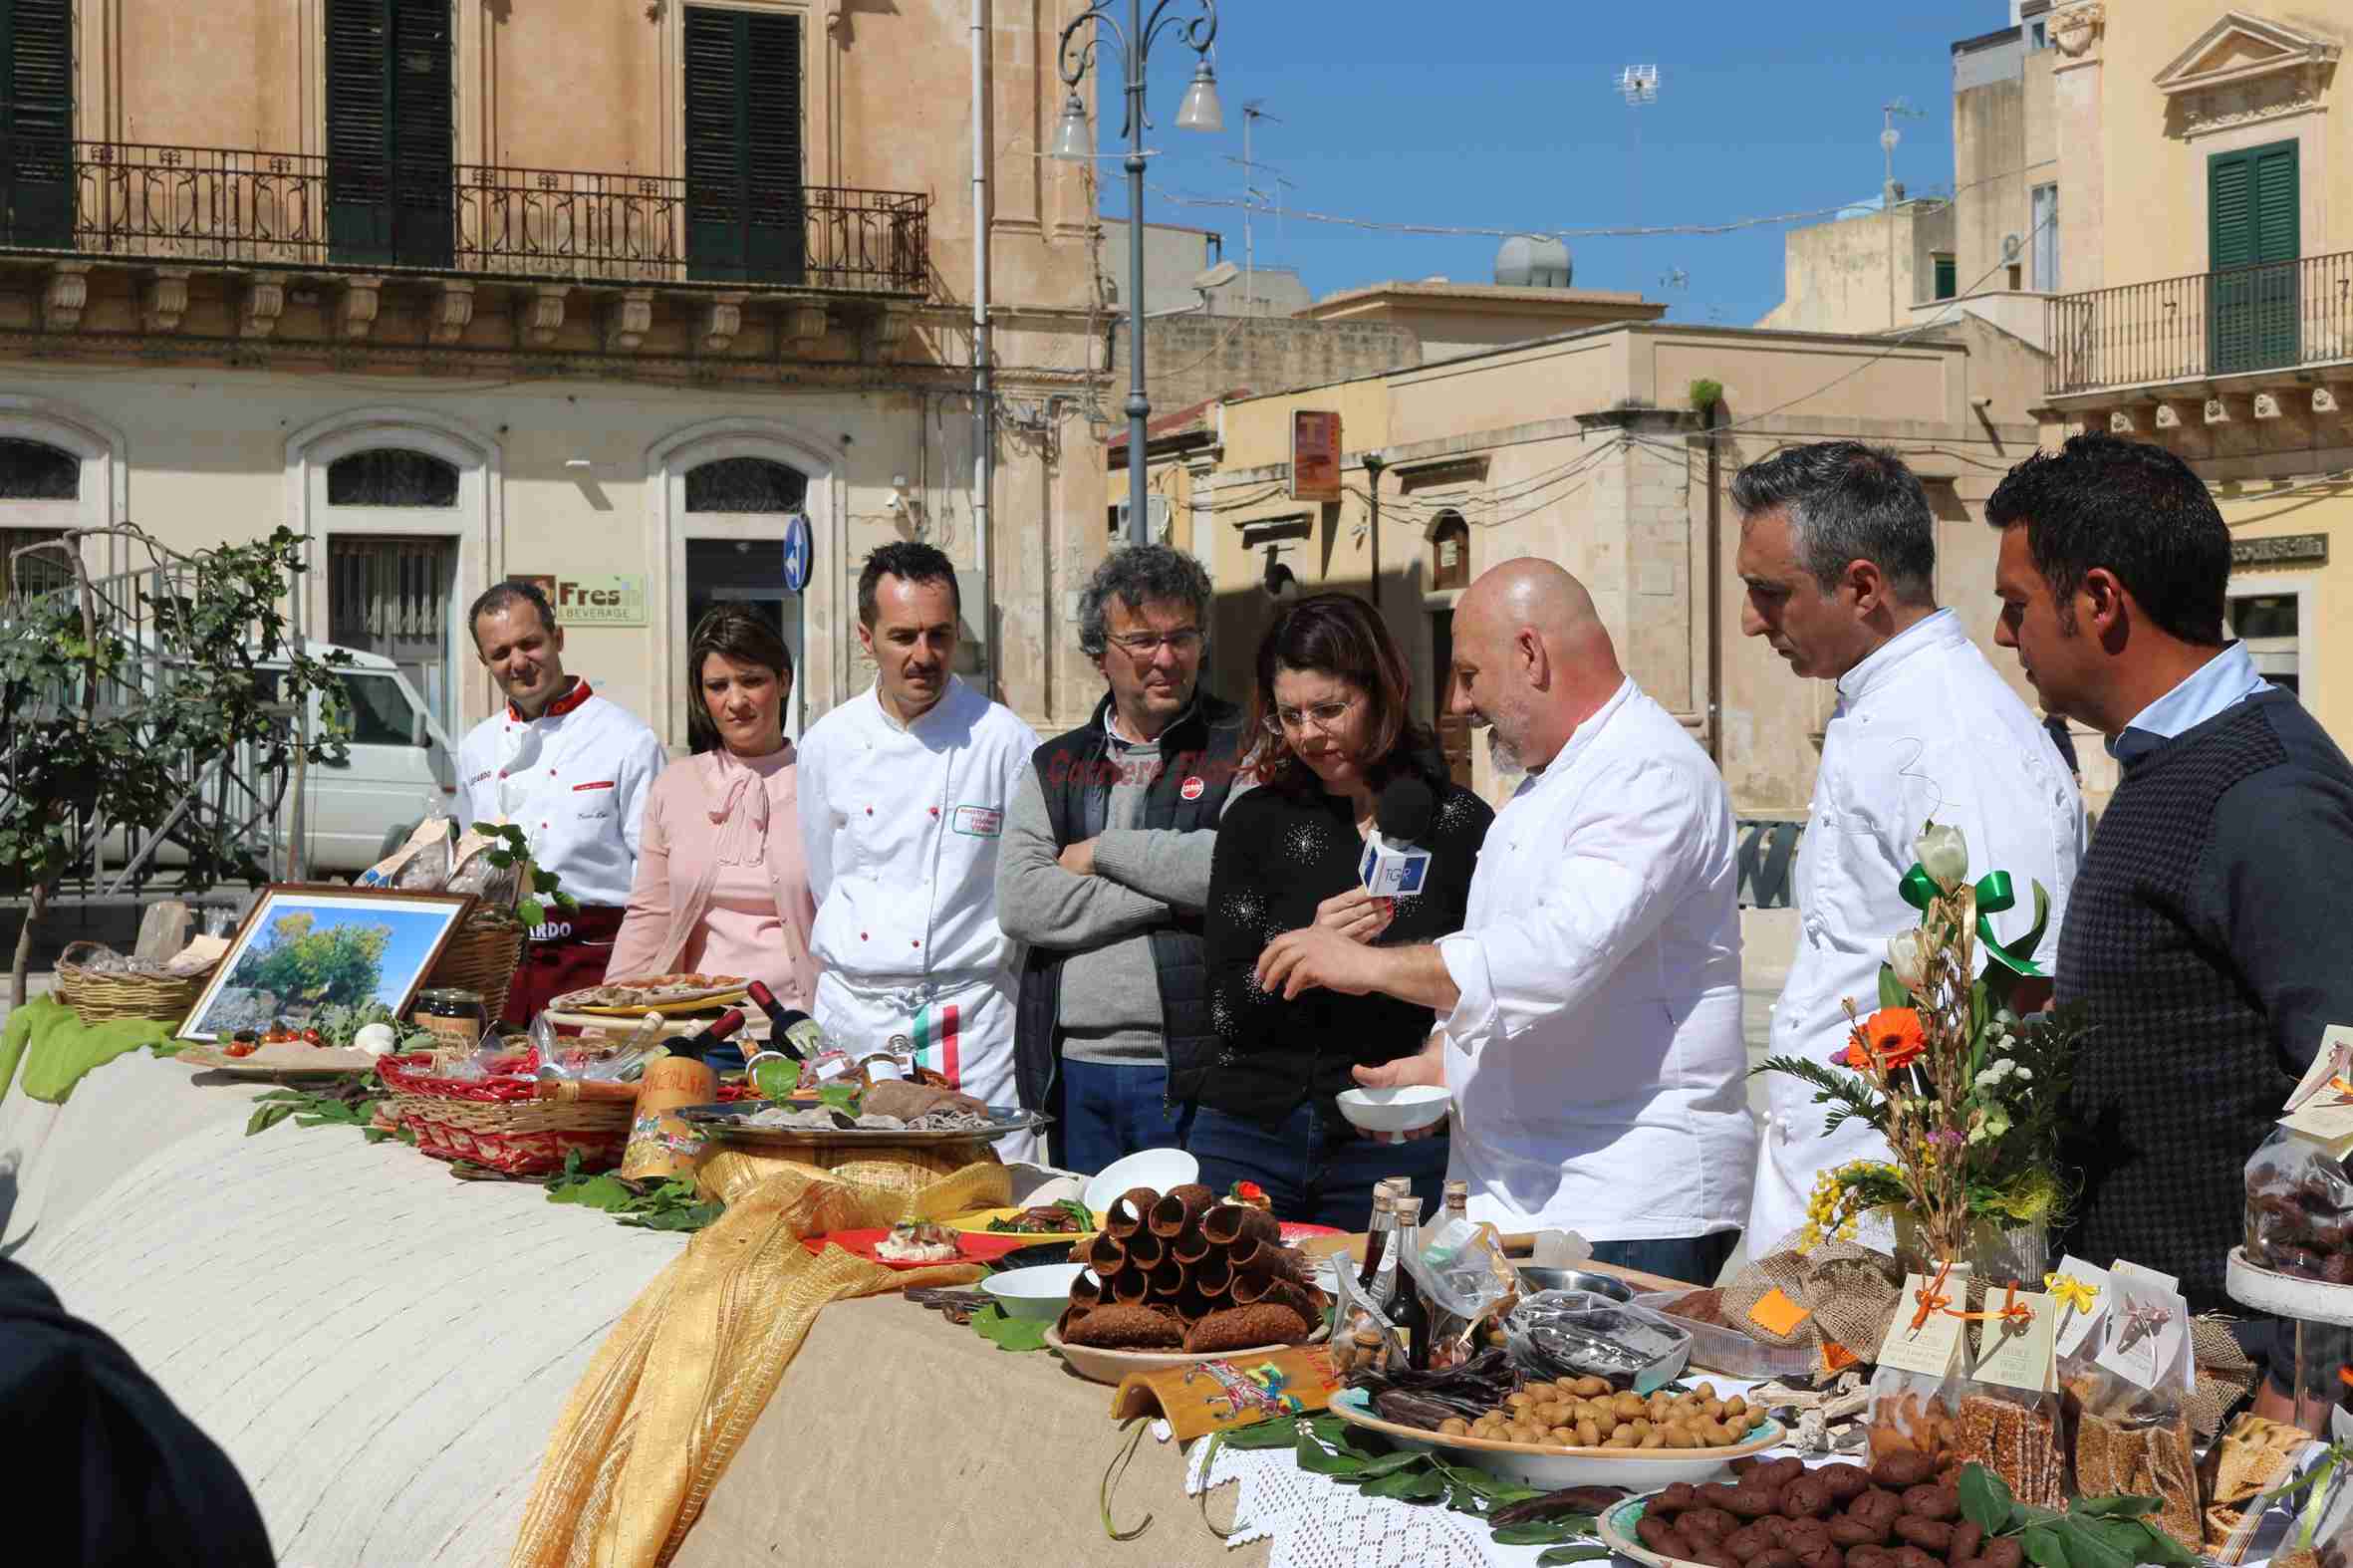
[502, 1123]
[482, 955]
[100, 997]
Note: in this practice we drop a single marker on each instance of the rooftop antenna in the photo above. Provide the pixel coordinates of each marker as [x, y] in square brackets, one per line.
[1889, 135]
[1639, 86]
[1252, 112]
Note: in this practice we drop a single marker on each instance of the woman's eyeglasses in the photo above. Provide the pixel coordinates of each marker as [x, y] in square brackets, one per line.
[1325, 716]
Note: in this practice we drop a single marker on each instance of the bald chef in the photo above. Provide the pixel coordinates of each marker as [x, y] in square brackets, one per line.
[571, 770]
[903, 791]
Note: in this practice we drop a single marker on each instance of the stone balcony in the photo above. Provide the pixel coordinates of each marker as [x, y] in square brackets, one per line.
[2238, 363]
[254, 247]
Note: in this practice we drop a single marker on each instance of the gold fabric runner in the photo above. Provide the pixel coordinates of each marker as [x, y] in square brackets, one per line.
[678, 1385]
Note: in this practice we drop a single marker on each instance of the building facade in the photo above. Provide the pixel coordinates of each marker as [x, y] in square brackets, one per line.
[2204, 159]
[603, 296]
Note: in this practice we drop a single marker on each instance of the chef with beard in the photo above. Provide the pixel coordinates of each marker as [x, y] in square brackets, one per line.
[1590, 1007]
[569, 768]
[902, 801]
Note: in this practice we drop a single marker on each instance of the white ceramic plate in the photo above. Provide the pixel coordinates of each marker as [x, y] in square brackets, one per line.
[1110, 1366]
[1405, 1109]
[1618, 1524]
[1158, 1169]
[1550, 1468]
[1040, 1292]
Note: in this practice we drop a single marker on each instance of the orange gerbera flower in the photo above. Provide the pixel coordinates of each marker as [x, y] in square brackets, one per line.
[1892, 1036]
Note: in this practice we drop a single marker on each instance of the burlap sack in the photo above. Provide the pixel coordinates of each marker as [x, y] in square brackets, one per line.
[1848, 1293]
[2225, 1375]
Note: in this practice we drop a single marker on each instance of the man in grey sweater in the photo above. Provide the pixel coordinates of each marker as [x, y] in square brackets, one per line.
[1105, 869]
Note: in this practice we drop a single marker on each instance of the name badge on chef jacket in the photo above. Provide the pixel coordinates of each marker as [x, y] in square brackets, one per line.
[978, 822]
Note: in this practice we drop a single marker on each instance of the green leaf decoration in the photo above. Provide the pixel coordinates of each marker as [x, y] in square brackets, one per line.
[1562, 1555]
[602, 1191]
[1984, 1500]
[1410, 1485]
[1891, 989]
[1318, 1459]
[1012, 1334]
[1261, 1434]
[2114, 1508]
[1390, 1464]
[1540, 1532]
[2043, 1548]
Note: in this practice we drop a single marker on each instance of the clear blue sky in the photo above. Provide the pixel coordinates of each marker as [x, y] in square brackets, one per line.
[1503, 115]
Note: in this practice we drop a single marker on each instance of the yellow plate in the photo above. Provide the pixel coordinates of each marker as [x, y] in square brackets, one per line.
[978, 1222]
[683, 1004]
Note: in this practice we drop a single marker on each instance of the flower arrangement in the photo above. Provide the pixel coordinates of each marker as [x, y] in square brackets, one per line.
[1969, 1095]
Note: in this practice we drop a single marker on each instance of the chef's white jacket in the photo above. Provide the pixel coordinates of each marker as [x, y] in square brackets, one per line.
[1925, 728]
[901, 824]
[1595, 1052]
[574, 780]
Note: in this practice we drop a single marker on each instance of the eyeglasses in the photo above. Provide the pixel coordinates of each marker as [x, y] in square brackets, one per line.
[1145, 644]
[1325, 716]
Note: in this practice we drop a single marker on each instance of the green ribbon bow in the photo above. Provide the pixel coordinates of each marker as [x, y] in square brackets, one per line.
[1995, 894]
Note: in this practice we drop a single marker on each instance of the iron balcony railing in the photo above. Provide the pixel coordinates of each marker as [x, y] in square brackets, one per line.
[2205, 325]
[196, 205]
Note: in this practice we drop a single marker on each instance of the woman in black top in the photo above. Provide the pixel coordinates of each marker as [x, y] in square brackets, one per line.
[1332, 710]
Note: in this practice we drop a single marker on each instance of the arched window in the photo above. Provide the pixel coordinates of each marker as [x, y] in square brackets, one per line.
[745, 484]
[1449, 552]
[392, 476]
[37, 472]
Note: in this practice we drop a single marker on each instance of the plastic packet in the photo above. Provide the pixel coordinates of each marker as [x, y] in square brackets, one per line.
[419, 866]
[1577, 1334]
[473, 871]
[1956, 1422]
[1456, 1337]
[2125, 1440]
[1363, 1338]
[630, 1058]
[2300, 1209]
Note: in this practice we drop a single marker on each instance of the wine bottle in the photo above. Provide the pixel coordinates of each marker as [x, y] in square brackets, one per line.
[1408, 1310]
[661, 1143]
[790, 1030]
[697, 1045]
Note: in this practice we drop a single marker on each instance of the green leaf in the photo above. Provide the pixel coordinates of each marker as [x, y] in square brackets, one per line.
[2114, 1508]
[531, 912]
[1891, 989]
[1984, 1500]
[2043, 1547]
[2085, 1549]
[267, 1117]
[1318, 1459]
[1420, 1485]
[602, 1191]
[1537, 1532]
[1010, 1334]
[1562, 1555]
[1261, 1434]
[1390, 1464]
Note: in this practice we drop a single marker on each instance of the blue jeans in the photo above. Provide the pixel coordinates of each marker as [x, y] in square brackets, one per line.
[1108, 1111]
[1315, 1167]
[1694, 1259]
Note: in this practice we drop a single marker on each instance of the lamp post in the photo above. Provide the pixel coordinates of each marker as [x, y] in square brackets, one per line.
[1074, 142]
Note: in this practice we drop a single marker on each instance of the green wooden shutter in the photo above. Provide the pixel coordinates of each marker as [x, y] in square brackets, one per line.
[2253, 238]
[745, 199]
[37, 121]
[360, 132]
[1948, 282]
[423, 132]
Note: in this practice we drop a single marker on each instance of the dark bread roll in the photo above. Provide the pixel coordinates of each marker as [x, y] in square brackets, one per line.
[1127, 1328]
[1246, 1328]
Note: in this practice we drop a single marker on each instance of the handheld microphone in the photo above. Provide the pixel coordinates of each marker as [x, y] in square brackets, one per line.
[1402, 815]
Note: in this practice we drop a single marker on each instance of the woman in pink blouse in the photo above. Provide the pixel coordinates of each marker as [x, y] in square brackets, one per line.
[720, 886]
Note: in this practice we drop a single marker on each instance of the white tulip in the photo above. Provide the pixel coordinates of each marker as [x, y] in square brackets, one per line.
[1944, 854]
[1907, 959]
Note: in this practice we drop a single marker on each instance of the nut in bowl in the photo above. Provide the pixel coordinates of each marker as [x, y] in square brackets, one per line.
[1403, 1110]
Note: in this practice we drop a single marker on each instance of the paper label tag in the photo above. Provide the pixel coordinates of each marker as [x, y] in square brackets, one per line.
[2181, 1364]
[1776, 1313]
[1934, 1347]
[2321, 1109]
[2073, 1325]
[2148, 1332]
[2019, 1353]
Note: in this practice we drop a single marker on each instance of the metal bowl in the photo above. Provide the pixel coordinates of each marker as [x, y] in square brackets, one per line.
[1609, 1286]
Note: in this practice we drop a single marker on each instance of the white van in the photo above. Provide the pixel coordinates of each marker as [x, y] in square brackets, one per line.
[398, 760]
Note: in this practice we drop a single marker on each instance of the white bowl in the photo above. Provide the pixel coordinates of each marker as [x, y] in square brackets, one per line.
[1040, 1292]
[1405, 1109]
[1158, 1169]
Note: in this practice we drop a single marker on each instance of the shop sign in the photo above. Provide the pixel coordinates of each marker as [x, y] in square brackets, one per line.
[594, 601]
[2282, 550]
[1315, 455]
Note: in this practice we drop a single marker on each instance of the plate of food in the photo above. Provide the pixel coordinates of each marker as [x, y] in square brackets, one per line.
[276, 1054]
[1068, 1220]
[1693, 1446]
[1103, 1364]
[886, 1113]
[654, 993]
[917, 1244]
[1804, 1509]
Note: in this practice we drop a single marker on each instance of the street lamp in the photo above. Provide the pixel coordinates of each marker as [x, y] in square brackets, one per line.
[1075, 142]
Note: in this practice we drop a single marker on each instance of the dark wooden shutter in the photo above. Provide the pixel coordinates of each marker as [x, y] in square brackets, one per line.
[37, 121]
[389, 136]
[744, 200]
[2254, 237]
[1948, 281]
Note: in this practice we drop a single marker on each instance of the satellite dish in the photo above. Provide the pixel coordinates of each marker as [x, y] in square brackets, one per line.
[2010, 246]
[1216, 277]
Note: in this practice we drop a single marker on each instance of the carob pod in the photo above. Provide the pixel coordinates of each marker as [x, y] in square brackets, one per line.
[1553, 1504]
[1126, 1216]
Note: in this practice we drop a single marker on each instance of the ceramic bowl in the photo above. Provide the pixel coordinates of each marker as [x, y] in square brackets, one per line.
[1405, 1109]
[1040, 1292]
[1158, 1169]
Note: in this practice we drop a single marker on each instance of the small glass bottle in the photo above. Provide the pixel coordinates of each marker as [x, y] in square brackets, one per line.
[1376, 1236]
[1406, 1309]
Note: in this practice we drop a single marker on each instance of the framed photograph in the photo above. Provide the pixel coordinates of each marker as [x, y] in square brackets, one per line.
[304, 948]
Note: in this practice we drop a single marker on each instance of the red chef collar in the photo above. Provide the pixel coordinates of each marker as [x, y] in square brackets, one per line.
[558, 708]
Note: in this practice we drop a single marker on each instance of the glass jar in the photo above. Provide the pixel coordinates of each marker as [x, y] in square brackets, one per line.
[455, 1017]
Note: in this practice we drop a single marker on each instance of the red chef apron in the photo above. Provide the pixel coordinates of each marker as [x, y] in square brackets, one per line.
[568, 954]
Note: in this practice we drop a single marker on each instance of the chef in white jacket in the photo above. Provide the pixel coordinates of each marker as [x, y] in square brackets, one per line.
[569, 768]
[1590, 1008]
[903, 791]
[1838, 552]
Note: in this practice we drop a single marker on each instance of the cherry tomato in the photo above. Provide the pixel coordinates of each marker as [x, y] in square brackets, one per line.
[240, 1048]
[312, 1037]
